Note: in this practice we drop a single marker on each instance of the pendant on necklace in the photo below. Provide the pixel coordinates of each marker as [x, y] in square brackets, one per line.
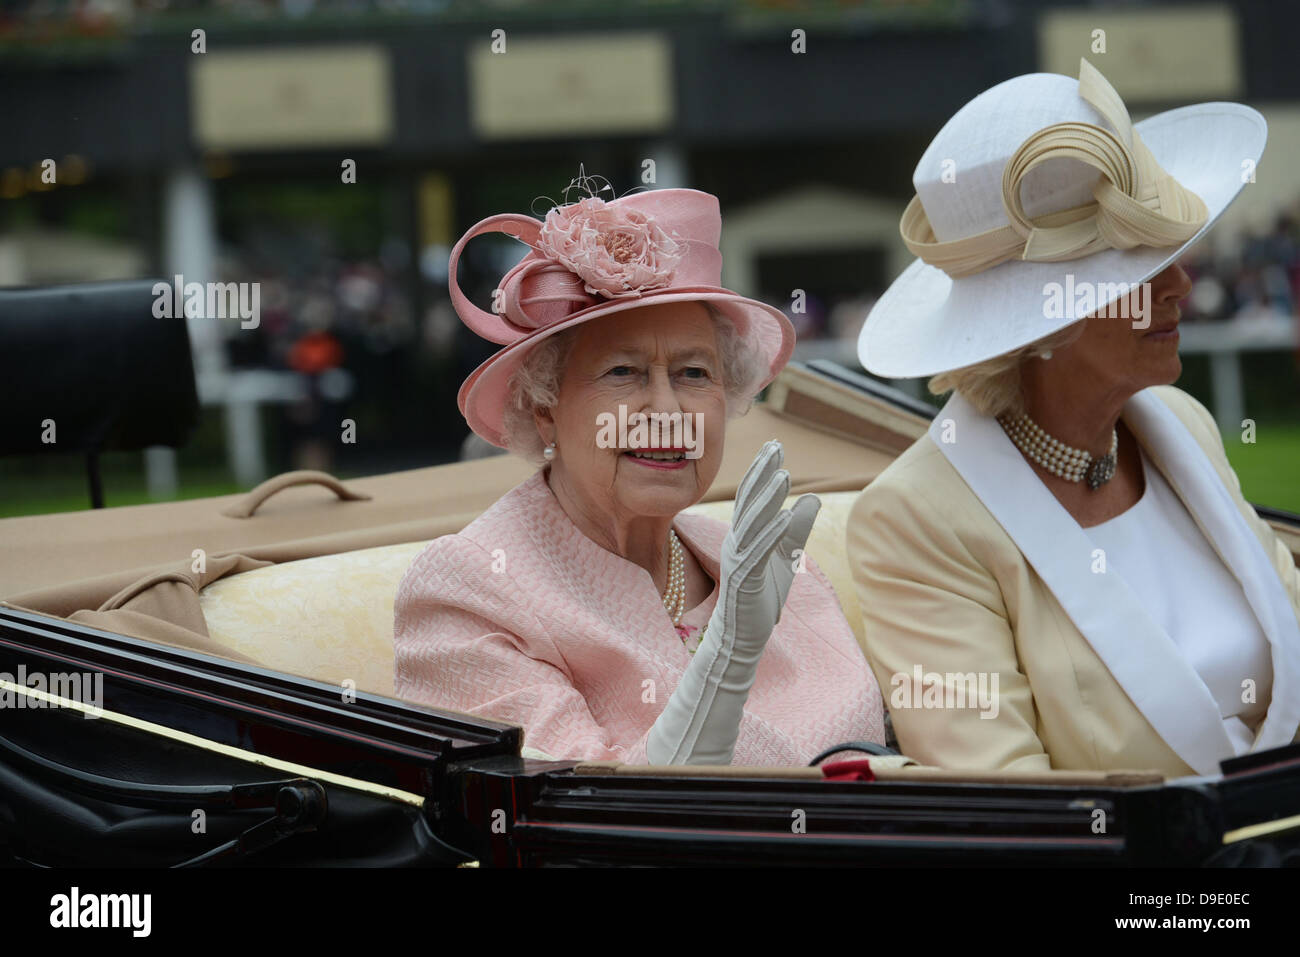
[1101, 471]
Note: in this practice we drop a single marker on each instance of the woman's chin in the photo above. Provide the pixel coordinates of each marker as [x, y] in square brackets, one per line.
[645, 490]
[664, 507]
[1166, 370]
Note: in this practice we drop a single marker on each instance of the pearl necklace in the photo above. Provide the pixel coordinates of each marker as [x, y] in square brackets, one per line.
[1063, 461]
[675, 597]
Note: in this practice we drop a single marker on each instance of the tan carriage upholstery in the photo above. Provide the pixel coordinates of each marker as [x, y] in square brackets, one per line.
[331, 617]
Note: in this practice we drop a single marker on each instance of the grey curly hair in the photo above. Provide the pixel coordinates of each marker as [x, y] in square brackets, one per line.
[536, 383]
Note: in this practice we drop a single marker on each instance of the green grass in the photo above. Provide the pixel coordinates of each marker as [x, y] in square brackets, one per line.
[70, 492]
[1269, 468]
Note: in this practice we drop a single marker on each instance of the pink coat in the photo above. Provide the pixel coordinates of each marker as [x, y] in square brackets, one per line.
[524, 619]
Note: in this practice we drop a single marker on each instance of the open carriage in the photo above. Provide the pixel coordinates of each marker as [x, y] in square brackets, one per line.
[216, 688]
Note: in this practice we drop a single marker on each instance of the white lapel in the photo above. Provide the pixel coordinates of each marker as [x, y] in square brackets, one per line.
[1191, 474]
[1102, 606]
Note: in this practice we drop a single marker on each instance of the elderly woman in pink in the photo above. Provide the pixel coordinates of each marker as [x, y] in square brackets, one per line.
[583, 605]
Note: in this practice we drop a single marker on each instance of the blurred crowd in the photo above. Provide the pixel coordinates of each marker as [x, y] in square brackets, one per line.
[347, 324]
[309, 293]
[1259, 274]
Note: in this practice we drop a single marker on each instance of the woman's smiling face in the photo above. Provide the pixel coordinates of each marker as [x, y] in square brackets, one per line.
[660, 360]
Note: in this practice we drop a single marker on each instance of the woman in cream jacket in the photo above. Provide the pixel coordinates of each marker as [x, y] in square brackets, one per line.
[1063, 572]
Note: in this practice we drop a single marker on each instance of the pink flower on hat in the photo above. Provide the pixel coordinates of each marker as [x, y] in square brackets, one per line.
[616, 252]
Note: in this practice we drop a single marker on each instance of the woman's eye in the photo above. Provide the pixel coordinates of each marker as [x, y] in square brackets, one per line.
[695, 372]
[621, 371]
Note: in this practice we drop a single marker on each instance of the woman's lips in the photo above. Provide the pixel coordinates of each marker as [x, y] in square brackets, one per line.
[668, 465]
[1168, 328]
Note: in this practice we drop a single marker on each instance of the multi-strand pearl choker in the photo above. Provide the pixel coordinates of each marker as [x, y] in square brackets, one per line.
[1065, 461]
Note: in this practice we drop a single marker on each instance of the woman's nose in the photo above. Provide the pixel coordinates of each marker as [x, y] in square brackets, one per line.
[1171, 284]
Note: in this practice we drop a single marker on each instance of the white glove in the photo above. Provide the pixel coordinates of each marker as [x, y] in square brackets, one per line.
[701, 720]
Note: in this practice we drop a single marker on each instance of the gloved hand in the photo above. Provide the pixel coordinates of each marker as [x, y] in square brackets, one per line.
[701, 719]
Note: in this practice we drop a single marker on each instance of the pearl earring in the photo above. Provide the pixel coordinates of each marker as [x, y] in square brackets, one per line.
[549, 452]
[1047, 354]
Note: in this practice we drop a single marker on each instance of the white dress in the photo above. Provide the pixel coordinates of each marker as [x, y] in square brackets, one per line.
[1161, 553]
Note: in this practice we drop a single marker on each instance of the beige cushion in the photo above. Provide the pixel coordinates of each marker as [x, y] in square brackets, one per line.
[331, 618]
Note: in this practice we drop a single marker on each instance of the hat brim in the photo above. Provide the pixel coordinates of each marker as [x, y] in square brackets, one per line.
[483, 396]
[927, 323]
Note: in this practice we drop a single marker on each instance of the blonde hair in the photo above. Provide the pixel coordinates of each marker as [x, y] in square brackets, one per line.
[993, 386]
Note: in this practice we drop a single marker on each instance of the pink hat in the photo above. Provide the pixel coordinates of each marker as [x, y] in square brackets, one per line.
[593, 258]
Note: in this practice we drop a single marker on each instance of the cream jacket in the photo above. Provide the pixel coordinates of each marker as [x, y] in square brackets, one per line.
[966, 565]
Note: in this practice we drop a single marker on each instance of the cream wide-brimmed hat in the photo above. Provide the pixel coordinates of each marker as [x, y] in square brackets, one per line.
[1041, 180]
[593, 259]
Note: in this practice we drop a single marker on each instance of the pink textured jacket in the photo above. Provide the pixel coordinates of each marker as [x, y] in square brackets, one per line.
[522, 618]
